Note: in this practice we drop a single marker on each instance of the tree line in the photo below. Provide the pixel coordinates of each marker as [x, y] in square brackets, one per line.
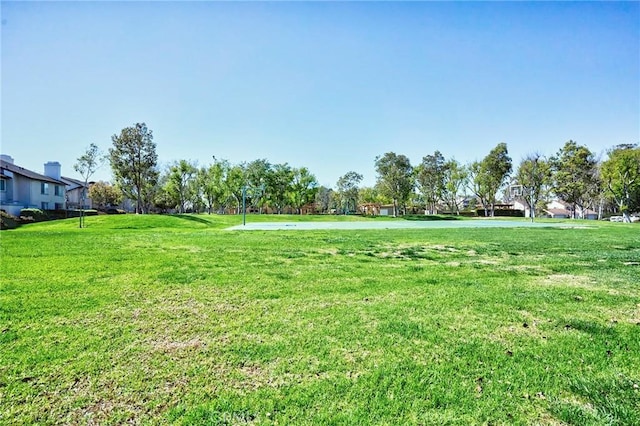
[574, 175]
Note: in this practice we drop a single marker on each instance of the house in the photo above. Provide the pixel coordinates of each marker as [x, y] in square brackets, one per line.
[522, 205]
[21, 188]
[557, 213]
[75, 192]
[559, 209]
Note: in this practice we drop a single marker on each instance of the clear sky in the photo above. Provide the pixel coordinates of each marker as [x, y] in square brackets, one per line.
[326, 85]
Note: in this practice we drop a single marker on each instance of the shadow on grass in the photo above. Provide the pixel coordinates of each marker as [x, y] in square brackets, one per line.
[193, 219]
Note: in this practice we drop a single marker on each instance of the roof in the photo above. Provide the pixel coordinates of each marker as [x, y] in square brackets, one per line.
[558, 212]
[71, 181]
[28, 173]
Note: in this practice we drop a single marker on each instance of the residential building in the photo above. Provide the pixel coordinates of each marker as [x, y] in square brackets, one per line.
[76, 192]
[21, 188]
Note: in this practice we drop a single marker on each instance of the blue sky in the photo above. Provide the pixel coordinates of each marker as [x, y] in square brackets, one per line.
[328, 85]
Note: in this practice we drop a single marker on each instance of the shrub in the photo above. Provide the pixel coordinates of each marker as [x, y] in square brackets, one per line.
[33, 215]
[8, 221]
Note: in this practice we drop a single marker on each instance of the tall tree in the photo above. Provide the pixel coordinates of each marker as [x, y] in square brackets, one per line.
[347, 191]
[304, 187]
[86, 165]
[621, 175]
[235, 183]
[211, 181]
[133, 161]
[181, 184]
[534, 175]
[455, 179]
[324, 199]
[488, 175]
[257, 172]
[573, 174]
[395, 178]
[279, 184]
[430, 178]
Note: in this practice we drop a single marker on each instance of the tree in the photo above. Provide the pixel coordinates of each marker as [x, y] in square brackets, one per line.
[395, 178]
[86, 165]
[304, 187]
[347, 191]
[256, 180]
[211, 181]
[488, 175]
[534, 175]
[181, 183]
[279, 182]
[324, 199]
[430, 179]
[455, 178]
[133, 161]
[234, 183]
[104, 194]
[621, 175]
[574, 174]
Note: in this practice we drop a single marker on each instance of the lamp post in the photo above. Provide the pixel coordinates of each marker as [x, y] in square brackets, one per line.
[531, 190]
[244, 205]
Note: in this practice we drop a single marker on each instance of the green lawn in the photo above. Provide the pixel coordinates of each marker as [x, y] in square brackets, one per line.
[170, 320]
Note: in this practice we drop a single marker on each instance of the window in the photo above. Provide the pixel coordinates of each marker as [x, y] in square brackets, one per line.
[45, 205]
[3, 185]
[59, 206]
[58, 190]
[44, 188]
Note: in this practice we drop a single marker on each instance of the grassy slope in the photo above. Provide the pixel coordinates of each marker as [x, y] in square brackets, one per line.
[169, 320]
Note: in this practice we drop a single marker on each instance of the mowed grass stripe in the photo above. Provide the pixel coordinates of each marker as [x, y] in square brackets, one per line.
[163, 319]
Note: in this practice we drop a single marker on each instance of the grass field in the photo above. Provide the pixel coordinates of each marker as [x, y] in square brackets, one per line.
[171, 320]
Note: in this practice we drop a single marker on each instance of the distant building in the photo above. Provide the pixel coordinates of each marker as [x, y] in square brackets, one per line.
[75, 190]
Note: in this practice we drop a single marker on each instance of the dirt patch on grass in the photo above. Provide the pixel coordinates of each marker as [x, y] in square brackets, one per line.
[173, 346]
[330, 251]
[568, 280]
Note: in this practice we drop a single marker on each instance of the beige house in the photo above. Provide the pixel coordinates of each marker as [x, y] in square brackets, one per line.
[76, 191]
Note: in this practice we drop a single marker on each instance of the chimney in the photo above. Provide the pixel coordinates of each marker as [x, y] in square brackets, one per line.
[52, 169]
[6, 158]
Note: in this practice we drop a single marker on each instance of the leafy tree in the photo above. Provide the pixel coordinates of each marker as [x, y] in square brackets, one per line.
[86, 165]
[105, 194]
[534, 175]
[323, 199]
[395, 178]
[574, 174]
[488, 175]
[621, 175]
[279, 184]
[304, 187]
[430, 178]
[257, 172]
[181, 183]
[455, 178]
[347, 191]
[133, 161]
[211, 181]
[234, 183]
